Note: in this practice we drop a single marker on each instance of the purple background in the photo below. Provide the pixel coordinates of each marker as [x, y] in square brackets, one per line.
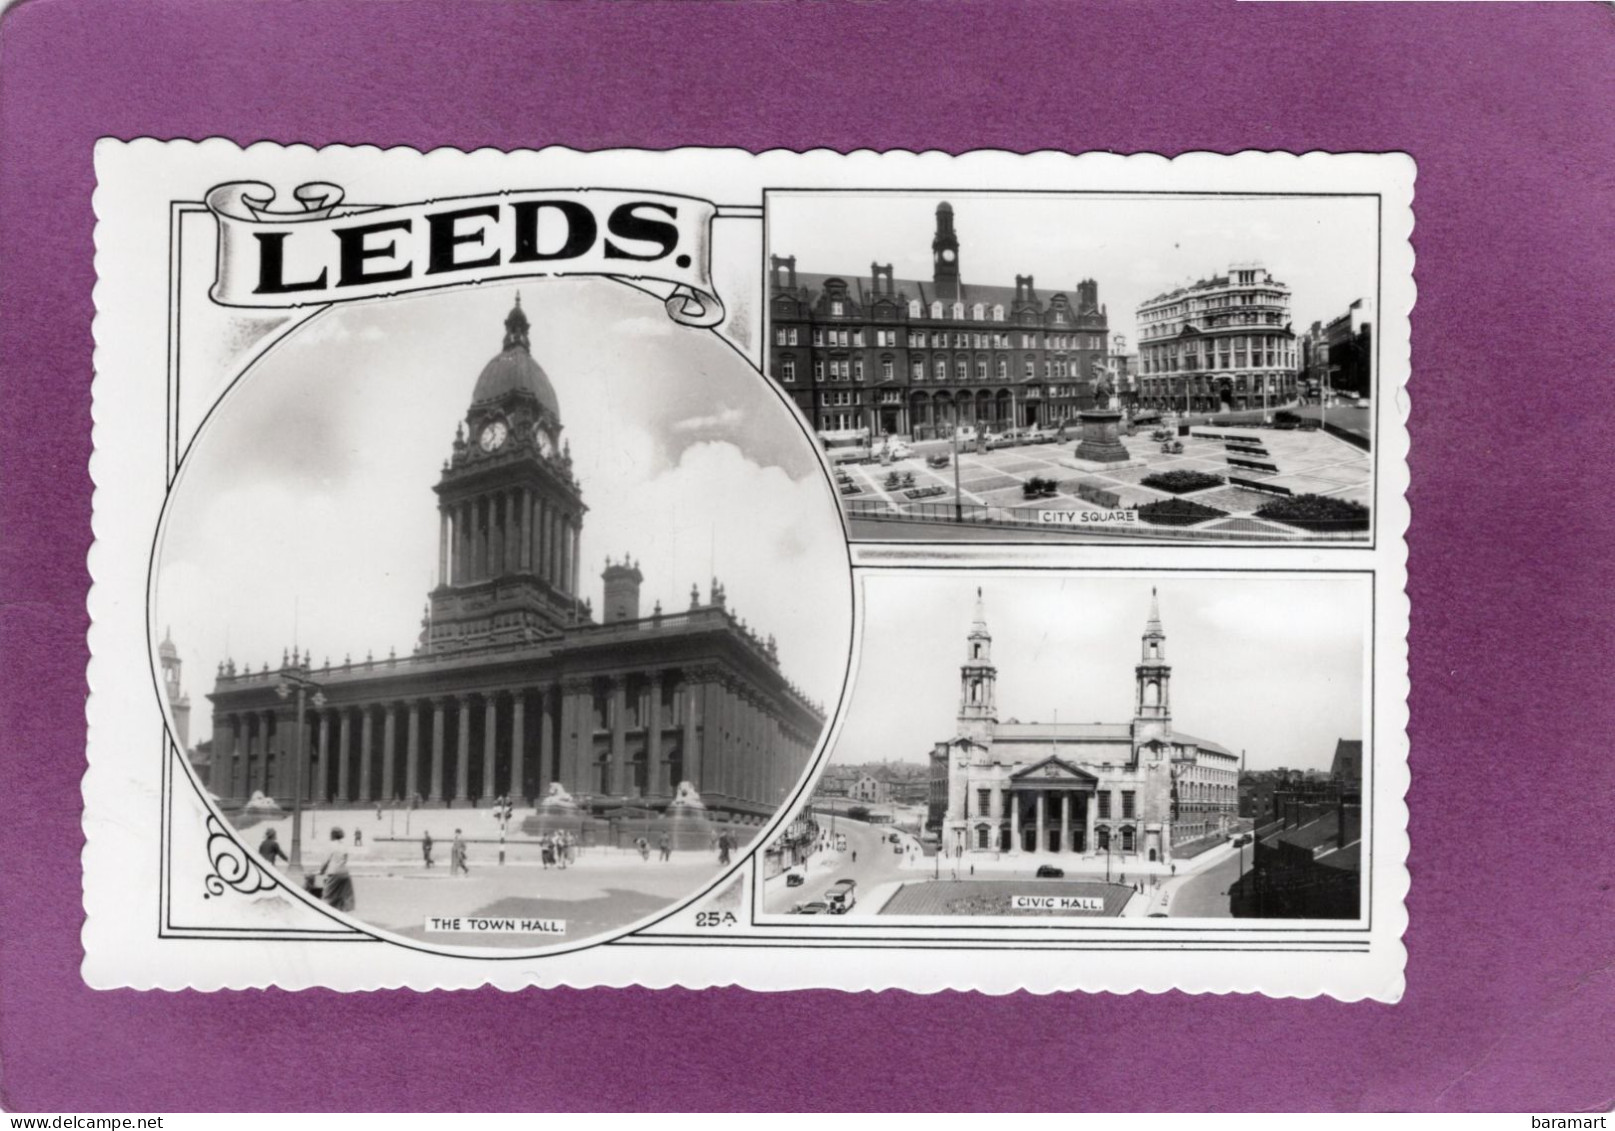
[1507, 111]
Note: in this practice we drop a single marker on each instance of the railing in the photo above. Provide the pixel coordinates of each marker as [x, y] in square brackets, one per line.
[1023, 518]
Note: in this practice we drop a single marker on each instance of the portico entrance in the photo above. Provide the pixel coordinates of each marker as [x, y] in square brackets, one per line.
[1050, 808]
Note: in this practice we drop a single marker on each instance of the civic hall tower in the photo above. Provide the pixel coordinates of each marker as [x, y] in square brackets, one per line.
[514, 689]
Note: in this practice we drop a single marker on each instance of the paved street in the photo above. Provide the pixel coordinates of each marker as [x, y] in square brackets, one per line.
[1308, 463]
[1205, 894]
[875, 864]
[604, 888]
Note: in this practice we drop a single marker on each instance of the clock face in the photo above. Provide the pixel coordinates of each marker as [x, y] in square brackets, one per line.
[546, 446]
[493, 436]
[947, 257]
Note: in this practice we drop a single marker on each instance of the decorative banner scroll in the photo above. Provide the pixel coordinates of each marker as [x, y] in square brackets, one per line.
[329, 252]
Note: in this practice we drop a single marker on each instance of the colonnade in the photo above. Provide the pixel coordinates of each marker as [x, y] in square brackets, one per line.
[628, 734]
[515, 530]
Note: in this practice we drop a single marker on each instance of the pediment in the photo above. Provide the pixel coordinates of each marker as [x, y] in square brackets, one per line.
[1053, 769]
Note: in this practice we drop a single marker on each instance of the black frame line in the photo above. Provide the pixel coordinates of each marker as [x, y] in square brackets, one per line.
[370, 933]
[781, 922]
[1097, 539]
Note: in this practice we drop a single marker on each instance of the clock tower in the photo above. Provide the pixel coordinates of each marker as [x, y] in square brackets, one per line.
[1152, 714]
[945, 255]
[510, 512]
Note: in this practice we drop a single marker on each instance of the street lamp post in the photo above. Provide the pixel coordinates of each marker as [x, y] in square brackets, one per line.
[958, 500]
[294, 679]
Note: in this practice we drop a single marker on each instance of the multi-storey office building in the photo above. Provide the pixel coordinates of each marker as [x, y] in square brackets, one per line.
[916, 357]
[1221, 343]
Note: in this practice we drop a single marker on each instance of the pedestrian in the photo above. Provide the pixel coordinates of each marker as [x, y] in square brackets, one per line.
[457, 861]
[269, 848]
[723, 848]
[643, 847]
[426, 846]
[358, 837]
[665, 848]
[1174, 869]
[546, 853]
[378, 810]
[338, 885]
[855, 856]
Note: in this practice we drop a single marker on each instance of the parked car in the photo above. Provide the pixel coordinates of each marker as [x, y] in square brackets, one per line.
[814, 907]
[794, 879]
[899, 450]
[842, 896]
[1050, 872]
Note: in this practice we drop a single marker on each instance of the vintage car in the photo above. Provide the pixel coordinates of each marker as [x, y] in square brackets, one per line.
[841, 896]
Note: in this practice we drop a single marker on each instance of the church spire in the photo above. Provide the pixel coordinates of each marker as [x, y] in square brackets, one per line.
[1154, 623]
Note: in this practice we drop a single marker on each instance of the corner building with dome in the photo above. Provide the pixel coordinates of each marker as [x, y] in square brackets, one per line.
[516, 688]
[1129, 790]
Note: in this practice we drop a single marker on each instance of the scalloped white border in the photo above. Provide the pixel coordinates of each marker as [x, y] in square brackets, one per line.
[121, 802]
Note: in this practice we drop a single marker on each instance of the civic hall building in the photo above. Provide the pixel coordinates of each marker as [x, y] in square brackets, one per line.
[1220, 341]
[514, 685]
[916, 357]
[1130, 790]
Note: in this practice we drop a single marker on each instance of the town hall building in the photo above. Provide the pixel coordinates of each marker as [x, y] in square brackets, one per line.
[1129, 790]
[515, 689]
[919, 357]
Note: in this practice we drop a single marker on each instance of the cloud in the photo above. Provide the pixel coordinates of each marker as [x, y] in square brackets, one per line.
[725, 418]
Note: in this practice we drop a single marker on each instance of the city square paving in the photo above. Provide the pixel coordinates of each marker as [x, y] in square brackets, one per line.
[603, 889]
[1307, 462]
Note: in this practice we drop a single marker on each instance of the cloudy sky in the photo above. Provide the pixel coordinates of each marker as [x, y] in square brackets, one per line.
[307, 498]
[1135, 247]
[1270, 664]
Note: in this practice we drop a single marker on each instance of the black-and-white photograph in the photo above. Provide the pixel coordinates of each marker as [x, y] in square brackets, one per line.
[1062, 746]
[1195, 367]
[506, 616]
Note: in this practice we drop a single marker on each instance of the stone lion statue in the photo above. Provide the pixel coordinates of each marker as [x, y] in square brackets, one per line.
[558, 798]
[687, 798]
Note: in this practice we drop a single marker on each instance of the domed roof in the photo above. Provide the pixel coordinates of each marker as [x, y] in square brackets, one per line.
[166, 649]
[514, 370]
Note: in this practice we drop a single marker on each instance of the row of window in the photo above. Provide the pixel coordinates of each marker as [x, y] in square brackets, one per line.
[984, 799]
[976, 312]
[938, 339]
[852, 369]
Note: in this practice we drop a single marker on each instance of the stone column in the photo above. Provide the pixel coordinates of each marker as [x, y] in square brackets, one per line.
[389, 752]
[572, 574]
[222, 778]
[321, 792]
[1014, 823]
[462, 752]
[516, 790]
[434, 788]
[690, 750]
[1065, 821]
[995, 813]
[490, 732]
[713, 771]
[619, 735]
[524, 530]
[344, 782]
[1088, 842]
[656, 774]
[412, 751]
[1042, 808]
[462, 543]
[568, 749]
[444, 534]
[266, 771]
[546, 742]
[367, 736]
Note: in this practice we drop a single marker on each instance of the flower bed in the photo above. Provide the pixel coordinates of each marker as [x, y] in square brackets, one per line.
[1182, 482]
[1037, 488]
[1321, 513]
[1177, 512]
[851, 489]
[1092, 491]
